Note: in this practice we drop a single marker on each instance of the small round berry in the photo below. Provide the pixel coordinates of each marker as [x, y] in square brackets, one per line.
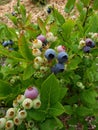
[62, 57]
[50, 37]
[11, 113]
[36, 52]
[5, 43]
[43, 68]
[27, 103]
[60, 48]
[31, 92]
[49, 10]
[50, 54]
[37, 43]
[36, 65]
[58, 68]
[2, 123]
[90, 43]
[36, 103]
[10, 42]
[22, 114]
[20, 98]
[38, 60]
[41, 38]
[17, 121]
[15, 103]
[86, 49]
[9, 125]
[82, 43]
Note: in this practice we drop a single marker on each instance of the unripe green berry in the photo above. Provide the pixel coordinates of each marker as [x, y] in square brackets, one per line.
[27, 103]
[9, 125]
[22, 114]
[17, 121]
[10, 113]
[36, 103]
[2, 123]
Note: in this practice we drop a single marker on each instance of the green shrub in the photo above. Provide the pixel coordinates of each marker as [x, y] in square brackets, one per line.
[68, 81]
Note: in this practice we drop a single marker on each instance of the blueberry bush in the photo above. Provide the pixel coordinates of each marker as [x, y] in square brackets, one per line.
[48, 70]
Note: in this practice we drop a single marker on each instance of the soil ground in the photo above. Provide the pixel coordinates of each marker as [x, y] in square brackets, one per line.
[7, 6]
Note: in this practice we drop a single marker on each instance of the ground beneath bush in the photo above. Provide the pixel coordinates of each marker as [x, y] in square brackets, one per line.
[35, 10]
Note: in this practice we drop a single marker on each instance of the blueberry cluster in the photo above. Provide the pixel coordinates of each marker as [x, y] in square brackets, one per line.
[8, 43]
[61, 58]
[18, 113]
[39, 46]
[86, 45]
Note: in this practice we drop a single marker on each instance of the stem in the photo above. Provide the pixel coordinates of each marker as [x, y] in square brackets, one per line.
[84, 22]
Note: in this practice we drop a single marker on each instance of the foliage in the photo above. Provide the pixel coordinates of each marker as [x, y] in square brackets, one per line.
[71, 93]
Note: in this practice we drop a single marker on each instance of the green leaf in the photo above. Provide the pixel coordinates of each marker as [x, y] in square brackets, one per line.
[85, 2]
[5, 89]
[56, 109]
[58, 17]
[38, 115]
[93, 24]
[69, 6]
[63, 92]
[41, 26]
[23, 12]
[88, 97]
[68, 109]
[24, 49]
[59, 122]
[50, 91]
[74, 63]
[84, 111]
[49, 124]
[95, 5]
[13, 55]
[67, 28]
[28, 72]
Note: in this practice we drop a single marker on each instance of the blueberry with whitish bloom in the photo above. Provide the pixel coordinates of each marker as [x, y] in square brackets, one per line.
[62, 57]
[5, 43]
[86, 49]
[49, 10]
[58, 68]
[50, 54]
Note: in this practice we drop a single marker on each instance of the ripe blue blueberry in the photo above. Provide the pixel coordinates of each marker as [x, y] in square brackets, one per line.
[10, 42]
[49, 10]
[58, 68]
[5, 43]
[86, 49]
[50, 54]
[62, 57]
[90, 43]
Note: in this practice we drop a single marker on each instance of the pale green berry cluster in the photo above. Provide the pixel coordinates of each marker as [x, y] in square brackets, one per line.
[17, 114]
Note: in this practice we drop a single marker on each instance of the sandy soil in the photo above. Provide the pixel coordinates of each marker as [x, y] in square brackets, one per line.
[31, 8]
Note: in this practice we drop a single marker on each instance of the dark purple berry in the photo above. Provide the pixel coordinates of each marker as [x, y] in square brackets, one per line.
[86, 49]
[41, 38]
[62, 57]
[90, 43]
[50, 54]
